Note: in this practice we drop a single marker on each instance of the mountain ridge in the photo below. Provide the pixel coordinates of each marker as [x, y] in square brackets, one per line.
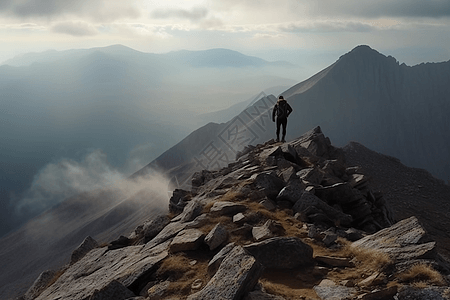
[294, 217]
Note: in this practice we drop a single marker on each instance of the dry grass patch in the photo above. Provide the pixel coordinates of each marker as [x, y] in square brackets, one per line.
[422, 274]
[288, 284]
[181, 273]
[368, 258]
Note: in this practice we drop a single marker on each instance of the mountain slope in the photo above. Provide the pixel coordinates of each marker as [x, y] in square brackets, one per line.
[61, 105]
[394, 109]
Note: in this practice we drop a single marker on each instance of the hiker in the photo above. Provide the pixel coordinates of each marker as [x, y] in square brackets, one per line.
[281, 110]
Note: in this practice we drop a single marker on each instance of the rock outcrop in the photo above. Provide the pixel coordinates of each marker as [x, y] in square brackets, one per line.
[283, 221]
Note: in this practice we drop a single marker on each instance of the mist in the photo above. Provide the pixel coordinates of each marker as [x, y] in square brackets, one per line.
[115, 108]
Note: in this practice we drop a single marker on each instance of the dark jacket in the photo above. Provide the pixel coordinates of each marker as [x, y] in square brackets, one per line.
[281, 110]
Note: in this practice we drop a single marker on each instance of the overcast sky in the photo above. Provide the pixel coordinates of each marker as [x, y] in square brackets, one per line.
[412, 30]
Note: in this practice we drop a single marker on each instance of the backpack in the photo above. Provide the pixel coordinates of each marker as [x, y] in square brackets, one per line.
[282, 109]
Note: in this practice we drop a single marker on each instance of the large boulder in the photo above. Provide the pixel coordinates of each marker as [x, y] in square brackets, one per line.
[311, 206]
[227, 208]
[87, 245]
[405, 240]
[113, 291]
[340, 193]
[40, 284]
[271, 185]
[191, 211]
[179, 200]
[216, 237]
[315, 142]
[97, 269]
[215, 262]
[150, 228]
[292, 191]
[186, 240]
[282, 252]
[237, 275]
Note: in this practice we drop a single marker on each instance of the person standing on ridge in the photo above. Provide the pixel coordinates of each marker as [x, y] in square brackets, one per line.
[281, 110]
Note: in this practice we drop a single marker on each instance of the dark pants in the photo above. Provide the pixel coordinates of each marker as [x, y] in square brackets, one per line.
[281, 122]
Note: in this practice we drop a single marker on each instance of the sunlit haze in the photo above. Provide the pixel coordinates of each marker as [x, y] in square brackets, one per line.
[412, 31]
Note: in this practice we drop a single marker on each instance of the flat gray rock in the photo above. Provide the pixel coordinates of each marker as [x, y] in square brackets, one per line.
[328, 290]
[113, 291]
[282, 252]
[227, 208]
[215, 262]
[216, 237]
[402, 241]
[87, 245]
[237, 275]
[186, 240]
[99, 268]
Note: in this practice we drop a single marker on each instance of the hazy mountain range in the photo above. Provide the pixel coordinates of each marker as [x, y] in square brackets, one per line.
[117, 106]
[364, 96]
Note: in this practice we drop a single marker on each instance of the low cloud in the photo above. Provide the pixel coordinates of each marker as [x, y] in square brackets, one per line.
[381, 8]
[194, 15]
[327, 26]
[65, 178]
[98, 10]
[77, 29]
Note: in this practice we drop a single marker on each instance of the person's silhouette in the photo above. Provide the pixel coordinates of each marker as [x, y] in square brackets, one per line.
[281, 111]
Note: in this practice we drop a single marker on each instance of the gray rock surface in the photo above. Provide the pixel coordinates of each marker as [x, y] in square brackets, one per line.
[151, 228]
[215, 262]
[216, 237]
[404, 240]
[328, 290]
[113, 291]
[292, 191]
[89, 274]
[237, 275]
[187, 240]
[40, 284]
[308, 201]
[282, 252]
[260, 295]
[87, 245]
[227, 208]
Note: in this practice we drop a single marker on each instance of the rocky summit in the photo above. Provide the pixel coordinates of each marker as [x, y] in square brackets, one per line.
[284, 221]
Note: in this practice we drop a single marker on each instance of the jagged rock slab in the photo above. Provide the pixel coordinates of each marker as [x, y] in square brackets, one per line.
[157, 291]
[307, 201]
[430, 293]
[292, 191]
[216, 237]
[402, 241]
[39, 284]
[191, 211]
[215, 262]
[238, 274]
[186, 240]
[260, 295]
[335, 261]
[172, 229]
[113, 291]
[152, 228]
[282, 252]
[328, 290]
[387, 293]
[87, 245]
[99, 268]
[227, 208]
[269, 184]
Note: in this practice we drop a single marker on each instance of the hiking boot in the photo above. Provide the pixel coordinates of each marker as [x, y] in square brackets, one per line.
[283, 141]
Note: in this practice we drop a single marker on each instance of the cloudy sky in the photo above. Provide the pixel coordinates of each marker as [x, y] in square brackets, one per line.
[411, 30]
